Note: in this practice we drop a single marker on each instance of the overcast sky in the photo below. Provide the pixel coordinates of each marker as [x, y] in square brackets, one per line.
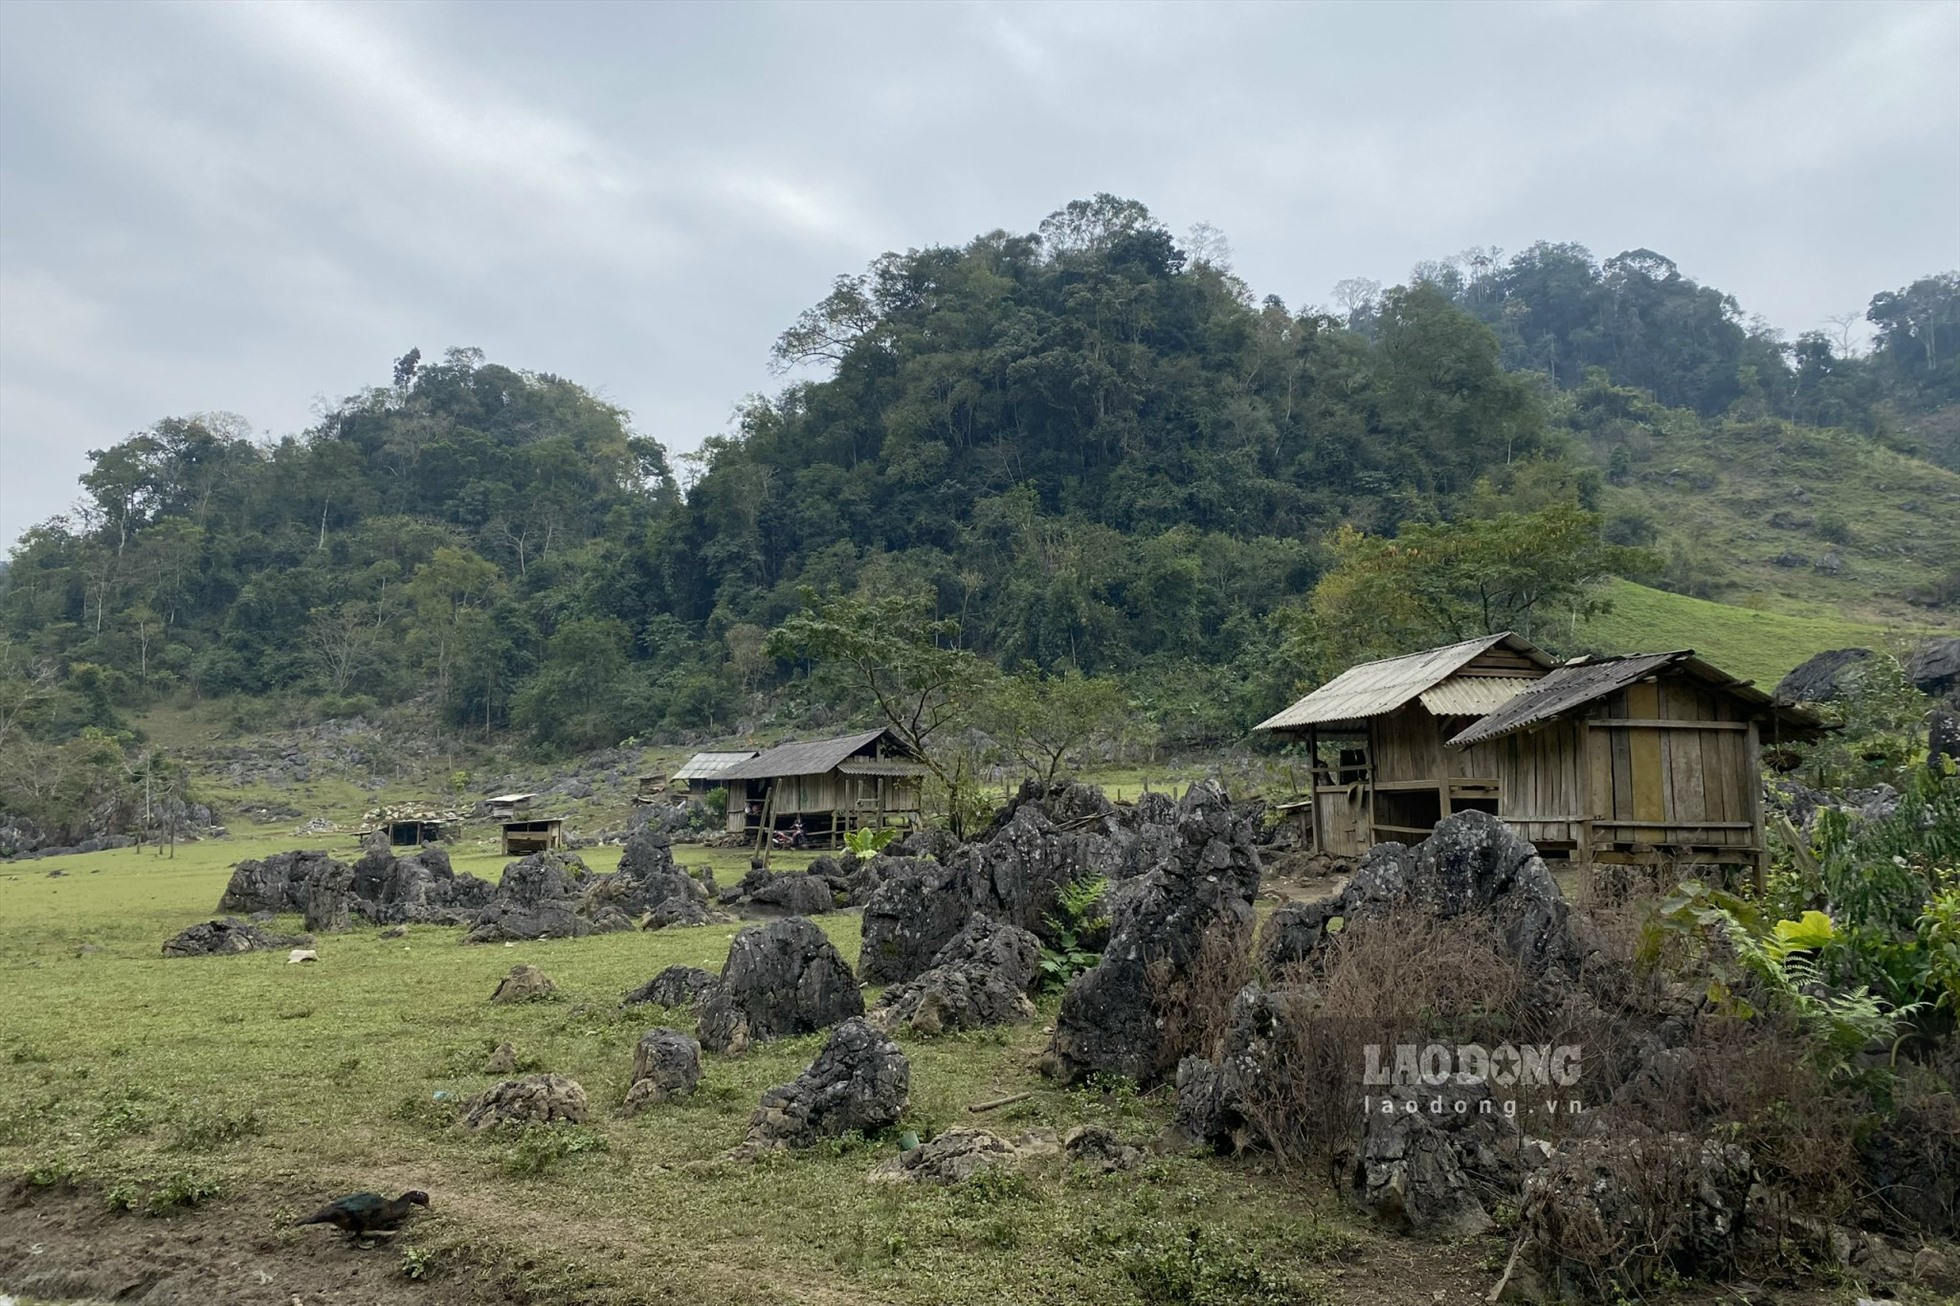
[253, 208]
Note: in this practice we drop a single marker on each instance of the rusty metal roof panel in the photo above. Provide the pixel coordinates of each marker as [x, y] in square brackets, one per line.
[1375, 688]
[1474, 695]
[813, 758]
[707, 766]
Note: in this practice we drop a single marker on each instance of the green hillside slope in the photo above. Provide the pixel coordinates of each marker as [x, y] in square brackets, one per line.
[1759, 645]
[1781, 516]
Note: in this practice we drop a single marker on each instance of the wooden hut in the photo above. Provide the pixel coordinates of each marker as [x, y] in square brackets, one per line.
[1645, 758]
[413, 831]
[705, 771]
[833, 786]
[522, 838]
[1375, 738]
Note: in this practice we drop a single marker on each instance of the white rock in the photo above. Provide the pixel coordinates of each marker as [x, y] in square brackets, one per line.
[297, 955]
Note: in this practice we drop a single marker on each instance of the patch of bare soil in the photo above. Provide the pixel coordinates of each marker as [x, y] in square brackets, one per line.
[62, 1244]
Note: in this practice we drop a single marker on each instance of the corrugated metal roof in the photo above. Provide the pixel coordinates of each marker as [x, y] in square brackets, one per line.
[706, 766]
[511, 798]
[1377, 687]
[813, 758]
[1579, 683]
[1474, 695]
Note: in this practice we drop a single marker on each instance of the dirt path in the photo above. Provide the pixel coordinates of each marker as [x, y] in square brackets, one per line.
[66, 1245]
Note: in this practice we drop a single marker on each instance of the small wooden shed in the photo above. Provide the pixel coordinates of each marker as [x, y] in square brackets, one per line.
[1642, 758]
[1375, 738]
[833, 786]
[413, 831]
[522, 838]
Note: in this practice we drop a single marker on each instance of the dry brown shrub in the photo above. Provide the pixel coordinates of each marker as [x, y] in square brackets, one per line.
[1196, 1003]
[1387, 979]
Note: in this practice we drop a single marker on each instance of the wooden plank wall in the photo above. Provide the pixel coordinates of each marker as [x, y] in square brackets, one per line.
[1540, 771]
[1673, 784]
[1408, 745]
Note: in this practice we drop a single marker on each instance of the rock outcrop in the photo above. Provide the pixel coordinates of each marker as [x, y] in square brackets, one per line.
[860, 1083]
[780, 979]
[1191, 910]
[534, 1099]
[666, 1065]
[548, 894]
[230, 935]
[524, 984]
[981, 977]
[1471, 863]
[953, 1157]
[676, 986]
[1611, 1215]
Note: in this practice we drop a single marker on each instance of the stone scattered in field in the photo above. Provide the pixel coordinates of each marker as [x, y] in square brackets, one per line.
[534, 1099]
[780, 979]
[214, 938]
[299, 955]
[860, 1082]
[502, 1061]
[1192, 909]
[666, 1065]
[525, 983]
[395, 932]
[953, 1157]
[1098, 1148]
[980, 978]
[676, 986]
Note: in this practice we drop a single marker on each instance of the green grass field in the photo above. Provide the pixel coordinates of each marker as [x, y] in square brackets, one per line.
[1759, 645]
[267, 1087]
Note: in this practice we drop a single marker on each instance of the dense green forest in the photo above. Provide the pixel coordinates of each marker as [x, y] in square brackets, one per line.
[1091, 448]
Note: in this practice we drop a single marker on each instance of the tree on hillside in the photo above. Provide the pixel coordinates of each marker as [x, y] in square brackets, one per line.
[1440, 583]
[893, 651]
[1041, 720]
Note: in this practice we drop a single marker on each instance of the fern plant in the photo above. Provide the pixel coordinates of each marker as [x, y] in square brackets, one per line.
[1078, 912]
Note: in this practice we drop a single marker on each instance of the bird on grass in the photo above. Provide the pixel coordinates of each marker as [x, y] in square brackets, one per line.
[360, 1214]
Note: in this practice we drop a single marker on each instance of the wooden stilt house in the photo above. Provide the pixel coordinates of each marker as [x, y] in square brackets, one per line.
[1644, 758]
[1375, 737]
[833, 786]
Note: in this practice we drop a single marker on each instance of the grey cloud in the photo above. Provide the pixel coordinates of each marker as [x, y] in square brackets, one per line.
[247, 207]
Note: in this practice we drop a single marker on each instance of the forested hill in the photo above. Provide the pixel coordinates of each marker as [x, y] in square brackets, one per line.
[1094, 447]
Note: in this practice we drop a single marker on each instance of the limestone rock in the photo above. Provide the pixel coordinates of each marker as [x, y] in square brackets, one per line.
[1614, 1213]
[980, 978]
[666, 1065]
[953, 1157]
[860, 1082]
[1097, 1148]
[524, 984]
[534, 1099]
[502, 1061]
[676, 986]
[551, 894]
[797, 894]
[215, 938]
[1112, 1016]
[780, 979]
[1822, 678]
